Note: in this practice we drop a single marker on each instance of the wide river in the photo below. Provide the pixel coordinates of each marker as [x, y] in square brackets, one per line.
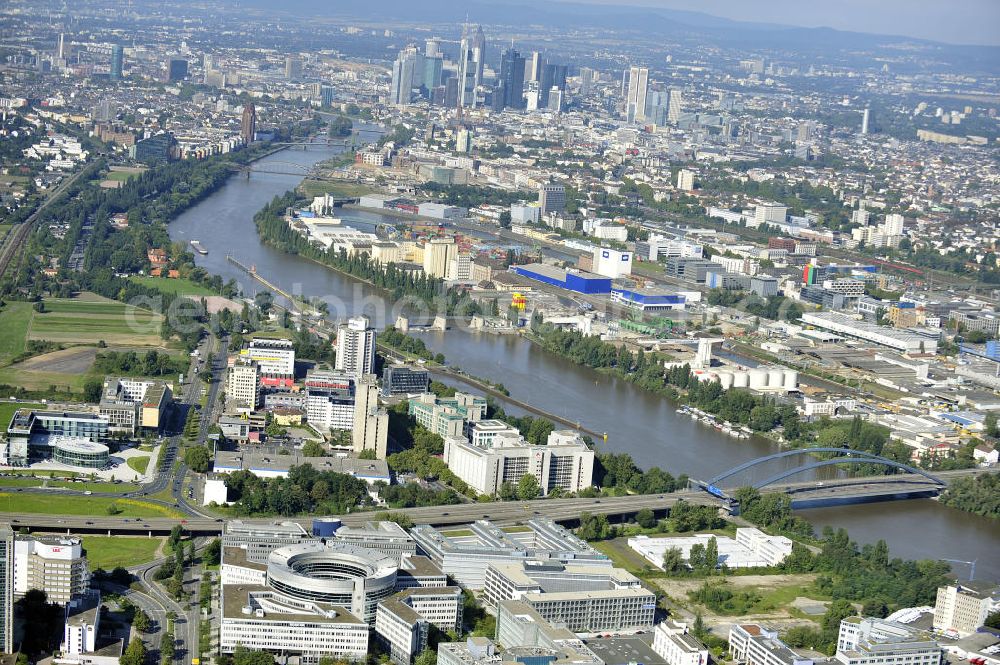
[644, 425]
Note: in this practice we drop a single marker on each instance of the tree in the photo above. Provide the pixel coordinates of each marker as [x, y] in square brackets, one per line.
[313, 449]
[673, 561]
[135, 653]
[426, 657]
[990, 425]
[594, 527]
[368, 453]
[527, 488]
[141, 621]
[92, 389]
[198, 459]
[711, 556]
[213, 552]
[645, 518]
[993, 620]
[245, 656]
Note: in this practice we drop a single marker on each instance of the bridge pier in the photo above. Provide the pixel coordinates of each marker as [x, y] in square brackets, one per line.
[402, 324]
[440, 323]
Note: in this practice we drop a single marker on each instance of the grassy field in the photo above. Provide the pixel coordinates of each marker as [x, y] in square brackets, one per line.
[42, 380]
[138, 463]
[92, 486]
[4, 230]
[15, 318]
[183, 287]
[120, 176]
[110, 552]
[85, 322]
[7, 410]
[335, 188]
[77, 505]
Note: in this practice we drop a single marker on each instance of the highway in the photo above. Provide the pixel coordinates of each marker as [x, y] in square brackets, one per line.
[560, 510]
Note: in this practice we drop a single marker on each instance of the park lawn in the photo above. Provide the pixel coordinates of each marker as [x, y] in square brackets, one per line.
[110, 552]
[181, 287]
[7, 410]
[139, 463]
[15, 318]
[81, 505]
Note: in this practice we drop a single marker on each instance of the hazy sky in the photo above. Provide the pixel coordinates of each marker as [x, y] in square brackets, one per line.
[954, 21]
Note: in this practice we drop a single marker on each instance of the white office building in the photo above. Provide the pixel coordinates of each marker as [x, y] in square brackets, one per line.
[753, 644]
[673, 643]
[565, 462]
[276, 359]
[53, 564]
[329, 400]
[770, 213]
[243, 383]
[881, 642]
[964, 608]
[465, 557]
[612, 262]
[580, 597]
[751, 548]
[402, 623]
[356, 347]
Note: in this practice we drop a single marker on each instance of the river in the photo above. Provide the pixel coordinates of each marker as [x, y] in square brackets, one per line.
[637, 422]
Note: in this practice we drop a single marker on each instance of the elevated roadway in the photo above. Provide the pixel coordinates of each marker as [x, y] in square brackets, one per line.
[561, 510]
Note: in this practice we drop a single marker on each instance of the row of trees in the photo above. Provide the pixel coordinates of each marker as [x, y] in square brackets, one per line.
[979, 495]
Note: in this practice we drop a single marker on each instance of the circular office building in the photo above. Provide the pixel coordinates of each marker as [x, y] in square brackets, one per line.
[78, 451]
[351, 577]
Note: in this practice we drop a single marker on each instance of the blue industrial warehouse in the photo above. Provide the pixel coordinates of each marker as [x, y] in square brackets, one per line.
[579, 281]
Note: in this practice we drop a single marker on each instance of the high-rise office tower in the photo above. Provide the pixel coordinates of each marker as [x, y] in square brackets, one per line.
[371, 424]
[248, 124]
[177, 69]
[356, 346]
[293, 68]
[431, 77]
[635, 100]
[432, 48]
[61, 49]
[551, 198]
[674, 108]
[586, 80]
[865, 117]
[407, 67]
[118, 61]
[6, 588]
[470, 66]
[534, 69]
[511, 80]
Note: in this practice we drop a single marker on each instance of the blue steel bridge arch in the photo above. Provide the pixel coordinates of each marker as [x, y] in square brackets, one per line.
[847, 456]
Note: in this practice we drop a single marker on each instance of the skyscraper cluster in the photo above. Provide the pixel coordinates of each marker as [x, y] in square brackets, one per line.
[523, 82]
[644, 105]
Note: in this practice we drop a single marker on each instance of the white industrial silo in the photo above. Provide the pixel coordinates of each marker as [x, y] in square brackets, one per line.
[741, 379]
[726, 380]
[791, 379]
[775, 378]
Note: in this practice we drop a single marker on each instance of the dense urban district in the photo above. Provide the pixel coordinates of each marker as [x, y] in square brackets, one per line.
[781, 242]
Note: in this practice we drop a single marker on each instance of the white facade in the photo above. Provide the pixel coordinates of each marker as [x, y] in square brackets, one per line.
[356, 347]
[750, 549]
[752, 644]
[899, 340]
[962, 609]
[329, 400]
[565, 462]
[881, 642]
[612, 262]
[770, 213]
[685, 180]
[243, 383]
[56, 565]
[675, 646]
[275, 357]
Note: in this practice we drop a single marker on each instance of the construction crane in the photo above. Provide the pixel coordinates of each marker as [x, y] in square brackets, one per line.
[971, 564]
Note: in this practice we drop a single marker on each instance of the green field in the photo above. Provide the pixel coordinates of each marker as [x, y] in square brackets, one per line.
[88, 322]
[139, 463]
[92, 486]
[7, 410]
[182, 287]
[81, 505]
[15, 317]
[336, 189]
[110, 552]
[120, 176]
